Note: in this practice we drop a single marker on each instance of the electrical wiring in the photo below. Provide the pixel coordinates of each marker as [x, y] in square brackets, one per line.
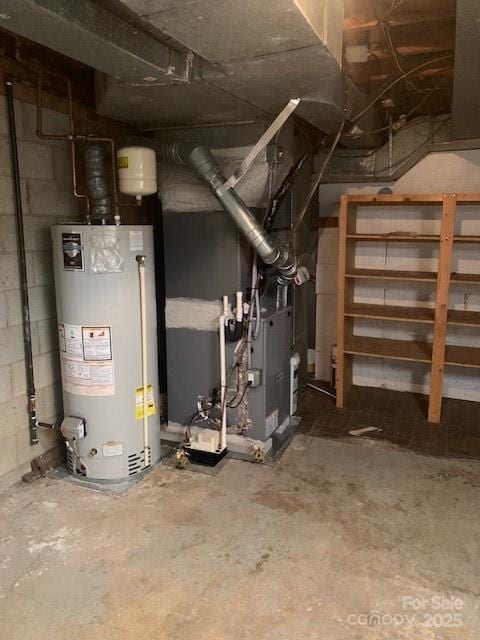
[371, 152]
[400, 162]
[410, 113]
[363, 111]
[393, 50]
[239, 402]
[287, 183]
[367, 154]
[425, 142]
[319, 176]
[395, 5]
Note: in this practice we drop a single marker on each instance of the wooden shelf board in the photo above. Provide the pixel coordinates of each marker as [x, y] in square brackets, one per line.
[387, 274]
[391, 312]
[423, 315]
[413, 198]
[464, 318]
[412, 276]
[466, 278]
[390, 349]
[373, 237]
[382, 199]
[399, 237]
[468, 239]
[462, 356]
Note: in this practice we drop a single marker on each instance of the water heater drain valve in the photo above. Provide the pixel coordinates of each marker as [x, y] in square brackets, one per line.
[73, 428]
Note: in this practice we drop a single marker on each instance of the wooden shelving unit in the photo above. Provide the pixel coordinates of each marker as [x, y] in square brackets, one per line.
[436, 354]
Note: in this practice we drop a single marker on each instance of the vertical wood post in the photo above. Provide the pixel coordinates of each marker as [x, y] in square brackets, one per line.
[344, 369]
[441, 307]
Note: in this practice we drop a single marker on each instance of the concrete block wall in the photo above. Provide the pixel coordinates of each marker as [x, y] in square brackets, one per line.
[446, 172]
[47, 200]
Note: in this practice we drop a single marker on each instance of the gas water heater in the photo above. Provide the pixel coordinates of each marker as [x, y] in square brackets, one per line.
[107, 330]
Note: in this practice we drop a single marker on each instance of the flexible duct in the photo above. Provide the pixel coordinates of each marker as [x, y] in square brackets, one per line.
[204, 164]
[97, 183]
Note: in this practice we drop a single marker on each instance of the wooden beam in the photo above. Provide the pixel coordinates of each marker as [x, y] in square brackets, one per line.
[381, 70]
[414, 49]
[356, 24]
[25, 77]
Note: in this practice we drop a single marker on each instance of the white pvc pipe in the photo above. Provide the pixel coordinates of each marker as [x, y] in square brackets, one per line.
[324, 391]
[226, 309]
[239, 310]
[223, 382]
[143, 321]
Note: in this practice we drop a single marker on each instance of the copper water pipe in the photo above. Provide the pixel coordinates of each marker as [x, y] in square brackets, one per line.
[72, 137]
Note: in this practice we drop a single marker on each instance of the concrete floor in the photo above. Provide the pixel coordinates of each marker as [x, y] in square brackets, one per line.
[308, 549]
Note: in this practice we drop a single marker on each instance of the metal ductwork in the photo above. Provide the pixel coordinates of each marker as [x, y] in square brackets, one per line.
[334, 104]
[97, 183]
[87, 32]
[183, 72]
[206, 167]
[466, 84]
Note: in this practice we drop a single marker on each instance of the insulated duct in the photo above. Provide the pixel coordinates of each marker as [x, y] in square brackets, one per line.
[205, 166]
[97, 183]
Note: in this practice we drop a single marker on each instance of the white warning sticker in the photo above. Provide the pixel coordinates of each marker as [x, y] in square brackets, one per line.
[112, 448]
[97, 343]
[87, 378]
[86, 359]
[70, 339]
[135, 238]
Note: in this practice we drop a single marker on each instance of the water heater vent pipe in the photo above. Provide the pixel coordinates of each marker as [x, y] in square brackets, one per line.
[97, 184]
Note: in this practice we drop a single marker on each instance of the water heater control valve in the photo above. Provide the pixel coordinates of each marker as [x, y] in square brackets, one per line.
[73, 428]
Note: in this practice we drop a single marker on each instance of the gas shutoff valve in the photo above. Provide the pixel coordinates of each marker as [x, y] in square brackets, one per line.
[73, 428]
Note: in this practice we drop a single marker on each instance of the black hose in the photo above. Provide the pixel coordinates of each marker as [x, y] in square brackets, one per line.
[22, 266]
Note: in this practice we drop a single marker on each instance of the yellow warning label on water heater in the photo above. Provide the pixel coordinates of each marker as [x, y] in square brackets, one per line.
[122, 162]
[139, 402]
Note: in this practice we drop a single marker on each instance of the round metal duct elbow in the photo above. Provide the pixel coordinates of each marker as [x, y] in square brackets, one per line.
[206, 167]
